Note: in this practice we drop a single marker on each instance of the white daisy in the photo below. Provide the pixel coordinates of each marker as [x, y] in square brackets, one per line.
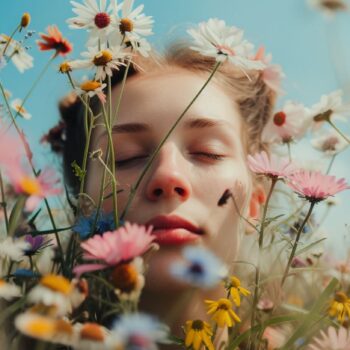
[16, 104]
[288, 124]
[104, 61]
[9, 290]
[92, 88]
[132, 25]
[330, 143]
[329, 7]
[329, 107]
[16, 53]
[91, 336]
[13, 249]
[215, 39]
[332, 340]
[200, 268]
[96, 18]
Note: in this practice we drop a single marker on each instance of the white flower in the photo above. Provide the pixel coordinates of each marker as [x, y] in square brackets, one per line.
[16, 104]
[104, 61]
[329, 7]
[215, 39]
[132, 26]
[17, 53]
[96, 18]
[92, 88]
[135, 329]
[332, 340]
[200, 268]
[329, 107]
[92, 336]
[9, 290]
[331, 143]
[289, 124]
[13, 249]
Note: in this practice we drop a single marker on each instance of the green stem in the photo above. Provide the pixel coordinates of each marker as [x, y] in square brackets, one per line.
[338, 131]
[331, 164]
[295, 245]
[11, 36]
[150, 161]
[3, 203]
[289, 151]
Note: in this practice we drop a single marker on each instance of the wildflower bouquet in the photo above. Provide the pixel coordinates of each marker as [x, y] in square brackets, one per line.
[79, 283]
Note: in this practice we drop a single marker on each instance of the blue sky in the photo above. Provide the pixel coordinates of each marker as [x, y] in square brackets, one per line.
[313, 51]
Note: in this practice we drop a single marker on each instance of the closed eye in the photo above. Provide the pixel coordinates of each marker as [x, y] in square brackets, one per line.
[208, 155]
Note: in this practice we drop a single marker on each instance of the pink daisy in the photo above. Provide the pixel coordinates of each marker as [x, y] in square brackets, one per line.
[315, 186]
[113, 247]
[332, 340]
[272, 166]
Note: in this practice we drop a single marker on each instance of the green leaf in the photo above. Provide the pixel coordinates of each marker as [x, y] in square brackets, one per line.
[312, 315]
[16, 214]
[46, 232]
[78, 171]
[309, 246]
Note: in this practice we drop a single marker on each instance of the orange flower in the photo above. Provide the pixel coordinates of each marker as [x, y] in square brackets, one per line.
[55, 41]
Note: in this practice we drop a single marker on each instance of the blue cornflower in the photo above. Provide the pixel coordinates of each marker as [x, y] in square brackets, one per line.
[201, 268]
[25, 273]
[85, 224]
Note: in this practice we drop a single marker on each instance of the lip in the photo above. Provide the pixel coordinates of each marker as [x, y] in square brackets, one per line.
[174, 230]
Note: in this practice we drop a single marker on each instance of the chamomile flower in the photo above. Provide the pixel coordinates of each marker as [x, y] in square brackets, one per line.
[13, 248]
[329, 7]
[215, 39]
[200, 268]
[17, 105]
[330, 143]
[222, 313]
[8, 290]
[104, 61]
[197, 334]
[333, 339]
[91, 336]
[92, 88]
[94, 16]
[16, 53]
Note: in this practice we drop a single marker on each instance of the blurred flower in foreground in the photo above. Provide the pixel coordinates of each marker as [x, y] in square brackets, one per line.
[329, 7]
[37, 243]
[315, 186]
[198, 333]
[233, 285]
[138, 331]
[330, 143]
[287, 125]
[17, 105]
[222, 312]
[9, 291]
[16, 53]
[54, 41]
[215, 39]
[270, 166]
[13, 248]
[200, 267]
[91, 336]
[340, 307]
[114, 247]
[334, 339]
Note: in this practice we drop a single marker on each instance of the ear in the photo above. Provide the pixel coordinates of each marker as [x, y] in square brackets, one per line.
[258, 197]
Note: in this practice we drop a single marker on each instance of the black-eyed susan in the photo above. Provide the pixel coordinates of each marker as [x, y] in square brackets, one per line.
[233, 286]
[222, 313]
[340, 307]
[198, 333]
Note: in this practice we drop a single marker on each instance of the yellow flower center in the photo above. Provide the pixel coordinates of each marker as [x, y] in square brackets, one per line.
[92, 331]
[90, 85]
[235, 282]
[126, 25]
[224, 304]
[2, 282]
[20, 109]
[65, 67]
[25, 20]
[340, 297]
[102, 58]
[40, 327]
[30, 186]
[197, 325]
[125, 277]
[62, 326]
[56, 283]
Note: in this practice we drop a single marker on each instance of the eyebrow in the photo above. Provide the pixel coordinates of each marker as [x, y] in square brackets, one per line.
[201, 123]
[130, 128]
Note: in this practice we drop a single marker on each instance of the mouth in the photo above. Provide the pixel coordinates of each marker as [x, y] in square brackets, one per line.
[174, 230]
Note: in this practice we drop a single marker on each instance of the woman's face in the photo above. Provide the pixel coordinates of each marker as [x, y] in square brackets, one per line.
[202, 158]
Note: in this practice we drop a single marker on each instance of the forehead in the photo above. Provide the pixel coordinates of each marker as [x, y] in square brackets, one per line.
[160, 97]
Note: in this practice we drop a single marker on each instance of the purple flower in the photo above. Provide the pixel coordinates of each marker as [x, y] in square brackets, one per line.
[36, 243]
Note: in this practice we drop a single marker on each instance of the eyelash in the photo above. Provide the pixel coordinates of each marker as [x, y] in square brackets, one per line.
[211, 156]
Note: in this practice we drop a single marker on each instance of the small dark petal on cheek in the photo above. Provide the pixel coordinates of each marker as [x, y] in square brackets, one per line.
[224, 197]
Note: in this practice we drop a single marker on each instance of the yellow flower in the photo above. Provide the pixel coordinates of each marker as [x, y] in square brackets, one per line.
[340, 306]
[25, 20]
[198, 332]
[65, 67]
[234, 287]
[222, 312]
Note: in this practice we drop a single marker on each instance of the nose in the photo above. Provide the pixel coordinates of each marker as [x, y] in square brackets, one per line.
[168, 178]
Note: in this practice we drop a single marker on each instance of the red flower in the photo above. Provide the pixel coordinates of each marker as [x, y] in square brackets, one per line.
[55, 41]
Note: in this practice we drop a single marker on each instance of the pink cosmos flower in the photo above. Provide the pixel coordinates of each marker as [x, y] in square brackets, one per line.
[113, 247]
[315, 186]
[332, 340]
[272, 166]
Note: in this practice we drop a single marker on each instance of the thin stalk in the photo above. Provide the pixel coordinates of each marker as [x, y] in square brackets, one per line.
[331, 164]
[151, 159]
[289, 151]
[295, 245]
[3, 203]
[338, 131]
[9, 41]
